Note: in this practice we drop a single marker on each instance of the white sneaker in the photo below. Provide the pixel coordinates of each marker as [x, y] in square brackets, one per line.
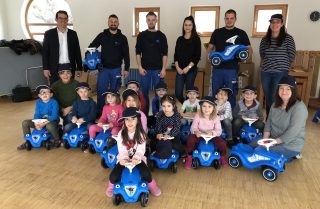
[299, 156]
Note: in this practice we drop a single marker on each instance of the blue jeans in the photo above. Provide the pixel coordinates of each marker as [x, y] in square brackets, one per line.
[187, 79]
[270, 83]
[280, 149]
[107, 79]
[151, 78]
[225, 78]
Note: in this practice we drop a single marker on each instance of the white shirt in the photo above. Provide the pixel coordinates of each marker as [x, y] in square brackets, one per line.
[188, 107]
[63, 47]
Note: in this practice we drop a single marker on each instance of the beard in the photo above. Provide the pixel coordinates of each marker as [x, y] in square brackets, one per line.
[152, 27]
[113, 27]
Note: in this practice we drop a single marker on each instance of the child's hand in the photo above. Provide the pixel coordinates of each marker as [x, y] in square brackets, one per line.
[135, 161]
[100, 124]
[38, 126]
[110, 125]
[159, 136]
[123, 162]
[74, 119]
[80, 120]
[197, 133]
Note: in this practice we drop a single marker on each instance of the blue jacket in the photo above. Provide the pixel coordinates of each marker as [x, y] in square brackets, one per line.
[85, 109]
[49, 110]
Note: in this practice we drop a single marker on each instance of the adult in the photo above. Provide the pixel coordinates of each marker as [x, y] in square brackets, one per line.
[64, 91]
[151, 56]
[277, 52]
[226, 74]
[60, 46]
[186, 57]
[287, 120]
[114, 49]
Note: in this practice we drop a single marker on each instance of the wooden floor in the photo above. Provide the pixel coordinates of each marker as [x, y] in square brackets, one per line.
[71, 179]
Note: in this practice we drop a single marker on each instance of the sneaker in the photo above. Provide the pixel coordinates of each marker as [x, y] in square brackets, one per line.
[299, 156]
[224, 161]
[56, 143]
[22, 146]
[188, 163]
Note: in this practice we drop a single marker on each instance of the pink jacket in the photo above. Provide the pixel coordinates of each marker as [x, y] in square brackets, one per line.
[124, 151]
[204, 125]
[110, 114]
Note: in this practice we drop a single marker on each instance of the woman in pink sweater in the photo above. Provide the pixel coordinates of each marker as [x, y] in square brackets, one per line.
[131, 142]
[206, 122]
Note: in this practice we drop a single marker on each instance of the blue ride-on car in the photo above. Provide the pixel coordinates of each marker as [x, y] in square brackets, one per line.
[270, 162]
[131, 187]
[78, 137]
[100, 142]
[248, 132]
[206, 154]
[92, 59]
[230, 52]
[109, 157]
[170, 163]
[185, 133]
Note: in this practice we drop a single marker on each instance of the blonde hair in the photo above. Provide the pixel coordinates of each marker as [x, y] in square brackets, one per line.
[212, 115]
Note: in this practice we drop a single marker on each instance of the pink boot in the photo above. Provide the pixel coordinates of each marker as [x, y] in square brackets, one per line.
[153, 188]
[224, 161]
[109, 190]
[188, 162]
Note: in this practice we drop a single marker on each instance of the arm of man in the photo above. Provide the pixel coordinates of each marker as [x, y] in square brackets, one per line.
[126, 57]
[45, 56]
[164, 52]
[142, 71]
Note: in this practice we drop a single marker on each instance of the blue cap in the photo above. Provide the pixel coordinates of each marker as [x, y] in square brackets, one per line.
[288, 80]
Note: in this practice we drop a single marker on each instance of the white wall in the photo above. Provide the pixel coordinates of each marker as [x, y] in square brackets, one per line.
[3, 22]
[90, 18]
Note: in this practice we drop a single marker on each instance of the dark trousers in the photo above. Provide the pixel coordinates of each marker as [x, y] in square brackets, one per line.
[51, 127]
[238, 122]
[145, 173]
[193, 142]
[187, 79]
[164, 148]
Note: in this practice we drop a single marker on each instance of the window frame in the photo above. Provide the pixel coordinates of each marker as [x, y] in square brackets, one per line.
[193, 11]
[257, 8]
[137, 10]
[27, 24]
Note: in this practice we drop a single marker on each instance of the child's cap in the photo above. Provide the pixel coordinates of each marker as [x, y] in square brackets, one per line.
[129, 112]
[82, 85]
[64, 67]
[208, 99]
[133, 81]
[249, 88]
[288, 80]
[193, 89]
[41, 87]
[128, 92]
[161, 85]
[228, 90]
[111, 91]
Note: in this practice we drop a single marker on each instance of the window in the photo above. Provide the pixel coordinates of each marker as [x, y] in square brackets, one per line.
[40, 16]
[262, 14]
[206, 19]
[140, 23]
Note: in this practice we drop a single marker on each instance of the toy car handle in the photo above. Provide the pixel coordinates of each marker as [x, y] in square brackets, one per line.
[250, 120]
[170, 137]
[91, 49]
[267, 143]
[79, 124]
[37, 121]
[207, 138]
[105, 127]
[130, 165]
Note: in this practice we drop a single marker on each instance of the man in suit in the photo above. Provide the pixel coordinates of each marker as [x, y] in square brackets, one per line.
[60, 46]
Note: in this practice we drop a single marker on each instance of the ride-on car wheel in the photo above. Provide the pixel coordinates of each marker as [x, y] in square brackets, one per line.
[216, 61]
[116, 199]
[216, 164]
[66, 144]
[174, 167]
[28, 145]
[243, 55]
[151, 165]
[85, 68]
[144, 199]
[47, 144]
[103, 163]
[269, 174]
[234, 161]
[83, 145]
[91, 149]
[195, 163]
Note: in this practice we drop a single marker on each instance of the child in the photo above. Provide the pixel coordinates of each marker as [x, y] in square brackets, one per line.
[167, 125]
[135, 85]
[130, 98]
[83, 109]
[131, 142]
[224, 111]
[190, 106]
[161, 91]
[46, 108]
[64, 91]
[111, 112]
[206, 122]
[249, 107]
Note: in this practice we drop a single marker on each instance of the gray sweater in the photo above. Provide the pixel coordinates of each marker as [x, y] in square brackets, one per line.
[288, 126]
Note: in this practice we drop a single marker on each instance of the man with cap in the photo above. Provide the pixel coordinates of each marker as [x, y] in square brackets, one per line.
[249, 107]
[84, 108]
[64, 91]
[277, 52]
[287, 120]
[46, 108]
[135, 85]
[114, 50]
[60, 46]
[226, 74]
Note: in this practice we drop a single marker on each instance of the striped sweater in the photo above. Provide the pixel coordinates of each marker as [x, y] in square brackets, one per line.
[277, 59]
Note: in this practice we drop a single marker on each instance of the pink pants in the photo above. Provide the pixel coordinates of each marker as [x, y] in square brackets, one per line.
[193, 140]
[94, 129]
